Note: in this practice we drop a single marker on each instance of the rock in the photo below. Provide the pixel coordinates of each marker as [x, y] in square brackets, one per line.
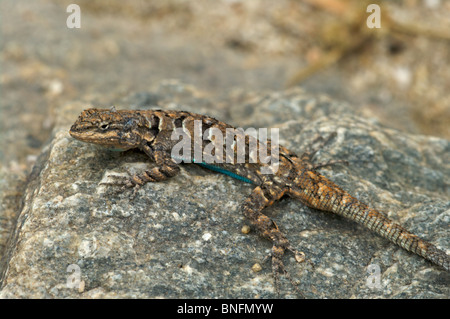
[76, 238]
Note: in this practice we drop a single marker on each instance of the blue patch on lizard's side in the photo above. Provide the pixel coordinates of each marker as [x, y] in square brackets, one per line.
[224, 171]
[215, 169]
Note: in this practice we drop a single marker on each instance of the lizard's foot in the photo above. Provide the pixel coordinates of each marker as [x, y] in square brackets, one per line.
[278, 267]
[120, 184]
[137, 179]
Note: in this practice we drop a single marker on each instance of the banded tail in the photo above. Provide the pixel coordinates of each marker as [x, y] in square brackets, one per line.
[316, 191]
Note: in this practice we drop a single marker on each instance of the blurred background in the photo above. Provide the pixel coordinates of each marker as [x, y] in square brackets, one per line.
[398, 74]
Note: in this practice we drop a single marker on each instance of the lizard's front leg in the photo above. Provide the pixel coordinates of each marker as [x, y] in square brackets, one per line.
[165, 168]
[260, 198]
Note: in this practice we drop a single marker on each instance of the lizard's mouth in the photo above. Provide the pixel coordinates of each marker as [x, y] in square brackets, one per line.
[82, 135]
[104, 138]
[110, 140]
[76, 133]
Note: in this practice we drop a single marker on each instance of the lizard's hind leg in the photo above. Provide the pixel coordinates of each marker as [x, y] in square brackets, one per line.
[260, 198]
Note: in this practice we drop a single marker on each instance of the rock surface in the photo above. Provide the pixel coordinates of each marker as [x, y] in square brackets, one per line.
[182, 238]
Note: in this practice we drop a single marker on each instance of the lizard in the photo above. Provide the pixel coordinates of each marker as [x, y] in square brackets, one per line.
[295, 176]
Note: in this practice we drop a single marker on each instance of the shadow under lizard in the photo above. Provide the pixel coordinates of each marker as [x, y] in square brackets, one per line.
[151, 131]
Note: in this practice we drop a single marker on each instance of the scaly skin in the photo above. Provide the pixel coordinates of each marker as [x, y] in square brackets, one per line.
[151, 130]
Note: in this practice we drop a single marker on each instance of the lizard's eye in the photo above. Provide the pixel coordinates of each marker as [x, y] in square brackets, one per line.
[103, 126]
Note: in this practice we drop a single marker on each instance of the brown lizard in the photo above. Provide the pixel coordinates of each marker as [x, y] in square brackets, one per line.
[152, 131]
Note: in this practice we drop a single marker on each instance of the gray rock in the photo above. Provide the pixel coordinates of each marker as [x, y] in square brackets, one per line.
[76, 238]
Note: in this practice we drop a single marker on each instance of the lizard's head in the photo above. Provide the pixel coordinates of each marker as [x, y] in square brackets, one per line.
[107, 127]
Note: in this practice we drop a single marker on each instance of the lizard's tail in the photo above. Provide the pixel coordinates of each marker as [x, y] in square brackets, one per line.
[316, 191]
